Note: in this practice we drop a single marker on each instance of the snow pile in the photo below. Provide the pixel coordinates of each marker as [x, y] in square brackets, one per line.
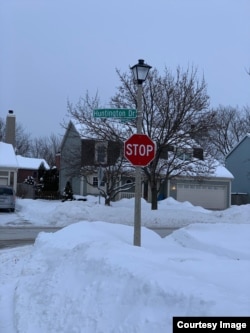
[89, 278]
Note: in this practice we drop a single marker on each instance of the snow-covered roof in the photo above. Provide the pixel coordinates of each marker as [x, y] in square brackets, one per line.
[7, 156]
[31, 163]
[208, 168]
[117, 125]
[8, 159]
[79, 127]
[221, 172]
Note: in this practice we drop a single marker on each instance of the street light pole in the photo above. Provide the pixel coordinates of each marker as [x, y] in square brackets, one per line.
[140, 72]
[137, 209]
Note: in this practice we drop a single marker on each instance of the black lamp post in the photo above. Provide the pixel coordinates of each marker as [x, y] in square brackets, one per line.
[140, 73]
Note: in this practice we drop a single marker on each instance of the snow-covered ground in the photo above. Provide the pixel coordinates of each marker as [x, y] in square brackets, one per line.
[171, 213]
[89, 278]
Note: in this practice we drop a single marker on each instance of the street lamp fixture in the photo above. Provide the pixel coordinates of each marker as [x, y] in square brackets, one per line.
[140, 73]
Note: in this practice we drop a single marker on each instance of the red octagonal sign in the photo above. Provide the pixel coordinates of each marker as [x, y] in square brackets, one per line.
[139, 149]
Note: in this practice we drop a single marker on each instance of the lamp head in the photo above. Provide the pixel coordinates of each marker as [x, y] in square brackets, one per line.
[140, 71]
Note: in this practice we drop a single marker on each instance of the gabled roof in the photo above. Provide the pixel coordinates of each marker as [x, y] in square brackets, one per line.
[7, 156]
[221, 172]
[31, 163]
[78, 127]
[207, 168]
[68, 129]
[247, 136]
[8, 159]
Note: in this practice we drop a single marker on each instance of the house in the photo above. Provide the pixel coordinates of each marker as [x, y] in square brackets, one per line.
[8, 165]
[8, 161]
[212, 191]
[77, 153]
[28, 167]
[14, 169]
[238, 162]
[28, 175]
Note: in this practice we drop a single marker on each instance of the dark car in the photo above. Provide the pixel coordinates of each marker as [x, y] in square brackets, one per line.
[7, 198]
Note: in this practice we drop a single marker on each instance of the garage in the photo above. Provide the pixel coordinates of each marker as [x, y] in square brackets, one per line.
[206, 196]
[3, 181]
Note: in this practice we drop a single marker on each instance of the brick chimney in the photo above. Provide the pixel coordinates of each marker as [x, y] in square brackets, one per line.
[10, 131]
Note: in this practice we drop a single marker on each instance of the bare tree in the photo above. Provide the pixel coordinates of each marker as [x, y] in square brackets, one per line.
[2, 129]
[23, 139]
[112, 179]
[247, 118]
[99, 128]
[46, 148]
[231, 125]
[175, 108]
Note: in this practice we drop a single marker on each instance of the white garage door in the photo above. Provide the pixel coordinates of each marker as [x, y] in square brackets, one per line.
[3, 181]
[207, 196]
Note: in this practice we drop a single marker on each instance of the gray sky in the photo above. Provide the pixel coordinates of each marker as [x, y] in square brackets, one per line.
[55, 50]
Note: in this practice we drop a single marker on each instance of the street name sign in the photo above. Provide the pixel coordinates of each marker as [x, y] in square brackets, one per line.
[139, 149]
[115, 113]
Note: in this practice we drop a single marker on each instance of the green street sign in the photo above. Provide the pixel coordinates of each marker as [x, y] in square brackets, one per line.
[115, 113]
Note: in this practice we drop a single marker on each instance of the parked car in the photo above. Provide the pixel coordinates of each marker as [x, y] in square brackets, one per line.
[7, 198]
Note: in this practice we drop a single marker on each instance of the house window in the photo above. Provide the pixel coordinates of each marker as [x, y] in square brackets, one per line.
[100, 153]
[198, 153]
[95, 182]
[184, 154]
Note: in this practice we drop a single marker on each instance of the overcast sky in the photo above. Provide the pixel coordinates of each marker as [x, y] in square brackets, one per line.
[55, 50]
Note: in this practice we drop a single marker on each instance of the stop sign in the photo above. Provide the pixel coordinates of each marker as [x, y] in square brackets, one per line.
[139, 149]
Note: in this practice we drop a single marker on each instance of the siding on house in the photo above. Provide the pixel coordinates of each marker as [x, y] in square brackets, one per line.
[90, 152]
[238, 162]
[70, 160]
[23, 174]
[8, 165]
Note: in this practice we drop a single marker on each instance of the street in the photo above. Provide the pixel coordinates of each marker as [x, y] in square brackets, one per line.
[18, 236]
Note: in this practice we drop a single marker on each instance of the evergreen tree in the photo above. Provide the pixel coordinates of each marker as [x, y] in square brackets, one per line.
[68, 193]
